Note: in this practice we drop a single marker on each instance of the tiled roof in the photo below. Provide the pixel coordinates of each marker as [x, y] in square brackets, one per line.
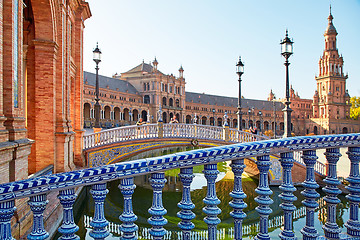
[202, 98]
[143, 67]
[113, 83]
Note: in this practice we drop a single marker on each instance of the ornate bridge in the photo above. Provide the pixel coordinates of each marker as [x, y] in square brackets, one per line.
[38, 188]
[113, 145]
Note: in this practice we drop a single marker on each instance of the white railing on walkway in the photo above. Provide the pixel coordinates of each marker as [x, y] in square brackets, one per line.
[177, 130]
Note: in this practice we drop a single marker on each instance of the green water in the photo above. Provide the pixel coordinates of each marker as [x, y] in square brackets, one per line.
[142, 200]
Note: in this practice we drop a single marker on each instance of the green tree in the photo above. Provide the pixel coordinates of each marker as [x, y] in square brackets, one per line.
[355, 108]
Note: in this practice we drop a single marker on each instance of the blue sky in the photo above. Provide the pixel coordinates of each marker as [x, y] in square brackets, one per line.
[207, 36]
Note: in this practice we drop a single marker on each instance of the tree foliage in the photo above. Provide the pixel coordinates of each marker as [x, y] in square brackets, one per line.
[355, 108]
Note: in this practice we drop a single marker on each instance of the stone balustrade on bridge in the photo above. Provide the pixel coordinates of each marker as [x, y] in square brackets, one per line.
[37, 189]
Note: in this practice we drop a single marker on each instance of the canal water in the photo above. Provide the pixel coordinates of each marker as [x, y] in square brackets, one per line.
[142, 201]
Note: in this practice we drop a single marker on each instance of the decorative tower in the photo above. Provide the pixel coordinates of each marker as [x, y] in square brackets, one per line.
[155, 64]
[181, 72]
[331, 98]
[271, 96]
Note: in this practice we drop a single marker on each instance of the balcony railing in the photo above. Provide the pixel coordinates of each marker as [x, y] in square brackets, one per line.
[160, 130]
[38, 188]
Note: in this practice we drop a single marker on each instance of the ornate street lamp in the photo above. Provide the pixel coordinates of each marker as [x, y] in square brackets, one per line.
[287, 51]
[261, 125]
[97, 60]
[239, 71]
[213, 116]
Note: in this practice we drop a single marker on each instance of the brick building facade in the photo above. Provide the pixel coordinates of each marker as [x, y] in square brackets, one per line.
[41, 118]
[141, 91]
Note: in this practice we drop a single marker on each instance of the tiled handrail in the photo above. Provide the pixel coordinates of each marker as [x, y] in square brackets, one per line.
[65, 183]
[176, 130]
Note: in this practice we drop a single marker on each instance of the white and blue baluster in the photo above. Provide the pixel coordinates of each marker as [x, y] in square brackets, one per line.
[68, 228]
[211, 209]
[353, 224]
[238, 196]
[186, 215]
[309, 231]
[287, 196]
[38, 205]
[128, 227]
[157, 210]
[331, 228]
[7, 210]
[264, 200]
[99, 223]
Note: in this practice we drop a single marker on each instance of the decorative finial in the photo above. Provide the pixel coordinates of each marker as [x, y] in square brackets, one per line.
[286, 33]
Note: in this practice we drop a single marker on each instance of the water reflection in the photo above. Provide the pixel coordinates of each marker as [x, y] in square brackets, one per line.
[142, 200]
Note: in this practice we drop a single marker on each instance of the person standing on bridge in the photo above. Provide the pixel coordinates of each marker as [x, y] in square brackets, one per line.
[174, 120]
[139, 123]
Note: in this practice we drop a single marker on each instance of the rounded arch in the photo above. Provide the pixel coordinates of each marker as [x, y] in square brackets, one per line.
[234, 122]
[144, 115]
[117, 113]
[171, 102]
[178, 117]
[135, 114]
[126, 114]
[171, 115]
[188, 119]
[107, 112]
[87, 108]
[219, 122]
[164, 117]
[177, 103]
[266, 125]
[44, 19]
[147, 99]
[164, 101]
[212, 123]
[203, 120]
[345, 130]
[315, 130]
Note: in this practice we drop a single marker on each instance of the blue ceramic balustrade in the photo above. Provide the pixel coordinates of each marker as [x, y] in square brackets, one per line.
[37, 188]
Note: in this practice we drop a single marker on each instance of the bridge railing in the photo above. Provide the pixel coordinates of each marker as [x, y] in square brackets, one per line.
[36, 190]
[160, 130]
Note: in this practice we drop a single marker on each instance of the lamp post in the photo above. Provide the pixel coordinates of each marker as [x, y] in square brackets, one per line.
[97, 60]
[274, 118]
[239, 71]
[249, 112]
[260, 114]
[213, 116]
[287, 51]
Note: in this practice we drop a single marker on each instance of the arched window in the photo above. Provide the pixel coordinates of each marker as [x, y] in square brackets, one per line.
[164, 101]
[177, 103]
[171, 102]
[147, 99]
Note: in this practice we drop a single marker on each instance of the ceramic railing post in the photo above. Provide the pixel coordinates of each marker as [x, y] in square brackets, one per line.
[238, 196]
[99, 223]
[186, 215]
[38, 205]
[68, 228]
[353, 224]
[211, 210]
[331, 228]
[309, 231]
[7, 210]
[264, 200]
[157, 209]
[287, 196]
[128, 227]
